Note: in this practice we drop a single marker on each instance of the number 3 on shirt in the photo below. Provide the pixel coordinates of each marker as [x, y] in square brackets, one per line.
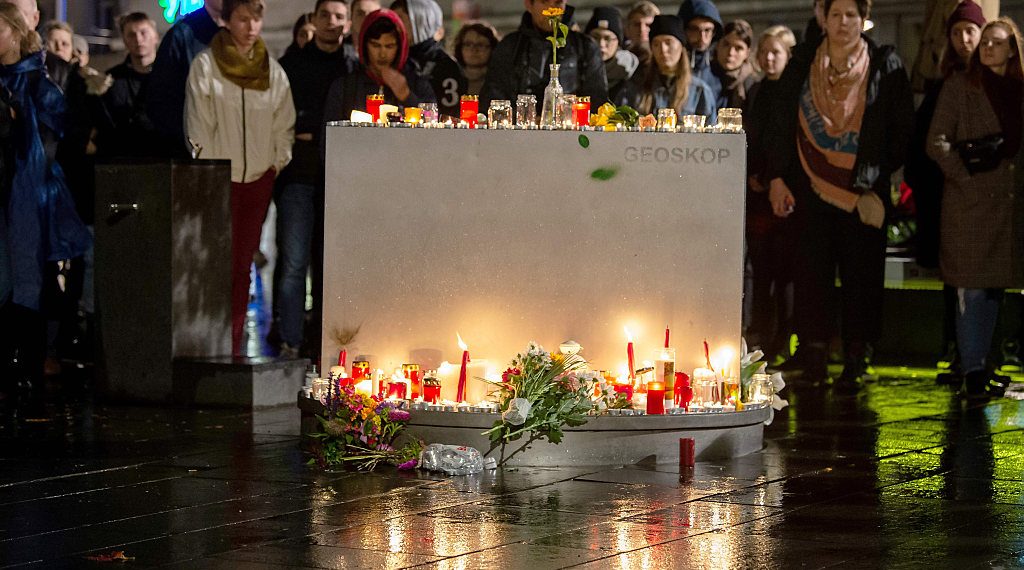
[451, 92]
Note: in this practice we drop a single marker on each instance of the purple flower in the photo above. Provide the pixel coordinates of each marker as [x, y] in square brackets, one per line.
[411, 464]
[399, 415]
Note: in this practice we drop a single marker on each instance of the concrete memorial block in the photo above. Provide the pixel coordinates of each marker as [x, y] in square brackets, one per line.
[511, 236]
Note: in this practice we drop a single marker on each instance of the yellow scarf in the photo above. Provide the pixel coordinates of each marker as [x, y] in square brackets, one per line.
[247, 72]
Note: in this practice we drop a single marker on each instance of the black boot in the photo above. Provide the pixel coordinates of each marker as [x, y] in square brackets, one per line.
[976, 385]
[855, 366]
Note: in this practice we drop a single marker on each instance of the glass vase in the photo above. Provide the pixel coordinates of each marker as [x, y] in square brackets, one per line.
[549, 115]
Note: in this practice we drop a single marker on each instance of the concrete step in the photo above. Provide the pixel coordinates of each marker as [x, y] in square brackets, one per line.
[253, 382]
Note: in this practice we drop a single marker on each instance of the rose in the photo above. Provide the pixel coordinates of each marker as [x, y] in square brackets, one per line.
[509, 372]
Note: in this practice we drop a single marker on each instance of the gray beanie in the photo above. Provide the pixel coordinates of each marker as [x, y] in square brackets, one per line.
[426, 17]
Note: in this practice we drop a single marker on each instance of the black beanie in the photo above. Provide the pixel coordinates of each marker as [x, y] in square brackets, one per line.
[606, 18]
[668, 26]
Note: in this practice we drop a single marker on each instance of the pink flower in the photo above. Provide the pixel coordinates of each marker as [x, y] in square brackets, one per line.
[399, 416]
[408, 465]
[509, 372]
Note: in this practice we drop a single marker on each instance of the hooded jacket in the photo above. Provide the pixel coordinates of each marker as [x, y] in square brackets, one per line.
[701, 61]
[430, 60]
[519, 66]
[349, 92]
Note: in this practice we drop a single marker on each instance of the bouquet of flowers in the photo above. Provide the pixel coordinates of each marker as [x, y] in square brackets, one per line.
[362, 430]
[541, 393]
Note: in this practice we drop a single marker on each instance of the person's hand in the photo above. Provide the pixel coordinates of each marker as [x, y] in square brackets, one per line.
[755, 184]
[781, 198]
[307, 137]
[396, 82]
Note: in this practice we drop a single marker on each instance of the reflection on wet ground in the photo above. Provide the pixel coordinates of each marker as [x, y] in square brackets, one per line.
[903, 474]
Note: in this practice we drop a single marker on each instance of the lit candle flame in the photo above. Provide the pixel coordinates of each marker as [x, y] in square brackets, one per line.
[629, 335]
[462, 344]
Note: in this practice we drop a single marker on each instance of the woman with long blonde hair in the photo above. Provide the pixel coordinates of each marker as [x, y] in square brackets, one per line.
[38, 221]
[667, 81]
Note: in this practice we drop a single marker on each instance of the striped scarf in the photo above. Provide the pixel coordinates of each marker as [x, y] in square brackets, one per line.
[831, 111]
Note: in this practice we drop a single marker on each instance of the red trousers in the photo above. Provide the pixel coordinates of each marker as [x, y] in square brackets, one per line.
[249, 204]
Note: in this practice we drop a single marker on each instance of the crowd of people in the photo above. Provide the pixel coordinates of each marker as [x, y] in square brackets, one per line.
[829, 118]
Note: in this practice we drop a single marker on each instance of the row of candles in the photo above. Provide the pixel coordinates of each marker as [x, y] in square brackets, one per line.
[654, 388]
[574, 114]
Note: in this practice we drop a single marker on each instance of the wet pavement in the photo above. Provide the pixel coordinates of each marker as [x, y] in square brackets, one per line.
[901, 475]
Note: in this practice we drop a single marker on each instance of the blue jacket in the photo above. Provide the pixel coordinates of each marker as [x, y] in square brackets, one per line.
[165, 91]
[699, 99]
[40, 218]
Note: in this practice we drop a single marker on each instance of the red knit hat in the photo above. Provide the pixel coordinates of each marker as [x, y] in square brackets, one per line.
[966, 11]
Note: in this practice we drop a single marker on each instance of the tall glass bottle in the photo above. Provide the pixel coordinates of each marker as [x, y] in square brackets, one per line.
[549, 115]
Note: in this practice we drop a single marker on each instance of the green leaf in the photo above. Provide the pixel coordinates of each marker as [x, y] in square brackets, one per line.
[565, 31]
[604, 174]
[584, 141]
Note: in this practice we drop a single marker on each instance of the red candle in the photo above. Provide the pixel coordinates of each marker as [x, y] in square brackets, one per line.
[373, 103]
[683, 390]
[687, 452]
[431, 390]
[342, 357]
[581, 112]
[629, 354]
[469, 107]
[396, 389]
[655, 398]
[461, 395]
[667, 333]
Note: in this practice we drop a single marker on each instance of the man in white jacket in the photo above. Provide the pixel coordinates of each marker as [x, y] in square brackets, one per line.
[239, 107]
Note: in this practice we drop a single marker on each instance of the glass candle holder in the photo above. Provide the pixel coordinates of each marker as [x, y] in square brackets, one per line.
[730, 390]
[413, 115]
[705, 387]
[665, 368]
[564, 117]
[730, 120]
[499, 114]
[469, 108]
[526, 110]
[667, 119]
[761, 390]
[428, 114]
[319, 391]
[581, 112]
[373, 103]
[694, 123]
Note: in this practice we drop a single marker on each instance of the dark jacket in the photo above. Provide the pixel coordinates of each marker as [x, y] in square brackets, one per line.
[165, 92]
[124, 128]
[443, 73]
[699, 99]
[77, 130]
[884, 134]
[519, 66]
[311, 71]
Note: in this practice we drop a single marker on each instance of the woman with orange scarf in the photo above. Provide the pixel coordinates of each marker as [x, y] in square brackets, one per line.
[844, 120]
